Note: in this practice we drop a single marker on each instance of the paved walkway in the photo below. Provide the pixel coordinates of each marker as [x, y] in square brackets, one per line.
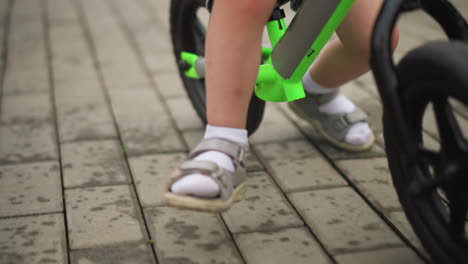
[94, 118]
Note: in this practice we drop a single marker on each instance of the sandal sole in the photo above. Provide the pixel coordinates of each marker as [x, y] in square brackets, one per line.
[206, 205]
[318, 127]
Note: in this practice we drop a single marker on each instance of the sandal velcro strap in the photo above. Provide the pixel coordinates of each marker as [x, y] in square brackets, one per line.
[346, 120]
[223, 177]
[230, 148]
[199, 165]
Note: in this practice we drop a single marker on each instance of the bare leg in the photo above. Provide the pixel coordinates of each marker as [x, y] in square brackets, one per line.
[232, 57]
[347, 58]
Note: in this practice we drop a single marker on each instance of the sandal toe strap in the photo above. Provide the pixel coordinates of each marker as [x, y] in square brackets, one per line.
[222, 177]
[338, 125]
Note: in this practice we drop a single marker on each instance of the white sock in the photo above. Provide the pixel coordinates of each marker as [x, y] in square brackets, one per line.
[359, 133]
[203, 186]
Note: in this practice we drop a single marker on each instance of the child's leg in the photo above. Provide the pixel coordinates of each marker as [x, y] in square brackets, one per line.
[341, 61]
[346, 59]
[232, 58]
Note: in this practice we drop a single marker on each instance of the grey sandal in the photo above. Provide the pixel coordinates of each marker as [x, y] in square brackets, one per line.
[333, 127]
[232, 184]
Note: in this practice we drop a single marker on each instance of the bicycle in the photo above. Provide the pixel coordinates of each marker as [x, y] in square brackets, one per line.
[430, 184]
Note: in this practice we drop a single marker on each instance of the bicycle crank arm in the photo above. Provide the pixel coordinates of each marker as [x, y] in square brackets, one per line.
[192, 65]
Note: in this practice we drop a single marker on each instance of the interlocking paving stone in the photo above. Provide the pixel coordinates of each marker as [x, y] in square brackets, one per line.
[33, 239]
[184, 236]
[82, 112]
[329, 150]
[264, 208]
[297, 165]
[139, 254]
[373, 178]
[184, 114]
[343, 221]
[149, 36]
[99, 216]
[401, 223]
[275, 127]
[117, 59]
[285, 246]
[144, 125]
[430, 125]
[192, 138]
[151, 174]
[170, 85]
[80, 120]
[163, 64]
[26, 108]
[27, 142]
[30, 189]
[94, 163]
[26, 51]
[383, 256]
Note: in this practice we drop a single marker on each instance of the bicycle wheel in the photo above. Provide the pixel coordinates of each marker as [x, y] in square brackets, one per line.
[188, 34]
[433, 186]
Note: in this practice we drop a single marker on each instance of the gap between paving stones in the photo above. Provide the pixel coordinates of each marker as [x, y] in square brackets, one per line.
[35, 214]
[48, 49]
[90, 41]
[353, 186]
[140, 58]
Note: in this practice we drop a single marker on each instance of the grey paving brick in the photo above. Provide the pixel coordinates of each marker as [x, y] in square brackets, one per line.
[144, 125]
[139, 254]
[373, 178]
[30, 189]
[264, 208]
[148, 33]
[330, 151]
[190, 237]
[275, 127]
[26, 108]
[284, 246]
[430, 125]
[382, 256]
[192, 138]
[61, 12]
[184, 115]
[149, 133]
[26, 55]
[27, 142]
[170, 85]
[84, 120]
[99, 216]
[33, 239]
[151, 174]
[400, 221]
[297, 165]
[342, 220]
[162, 64]
[94, 163]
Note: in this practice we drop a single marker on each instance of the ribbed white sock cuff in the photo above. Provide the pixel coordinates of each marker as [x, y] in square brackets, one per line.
[312, 87]
[234, 134]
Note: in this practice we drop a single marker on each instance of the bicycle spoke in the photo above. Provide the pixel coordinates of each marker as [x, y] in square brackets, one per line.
[451, 136]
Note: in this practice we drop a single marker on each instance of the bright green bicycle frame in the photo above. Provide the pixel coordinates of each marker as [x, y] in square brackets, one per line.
[279, 78]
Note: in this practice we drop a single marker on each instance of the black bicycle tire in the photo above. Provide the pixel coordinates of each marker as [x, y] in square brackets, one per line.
[416, 68]
[184, 38]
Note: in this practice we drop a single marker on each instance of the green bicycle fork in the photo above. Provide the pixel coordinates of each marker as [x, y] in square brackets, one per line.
[293, 50]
